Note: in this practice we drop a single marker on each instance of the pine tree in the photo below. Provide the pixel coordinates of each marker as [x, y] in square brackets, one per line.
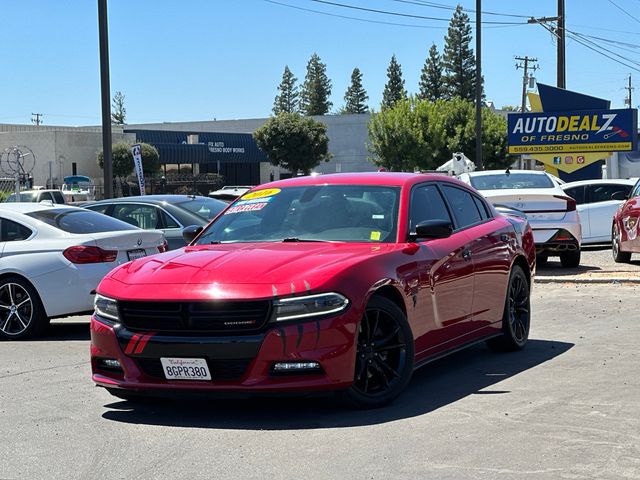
[118, 113]
[287, 98]
[356, 96]
[459, 61]
[431, 87]
[316, 89]
[394, 89]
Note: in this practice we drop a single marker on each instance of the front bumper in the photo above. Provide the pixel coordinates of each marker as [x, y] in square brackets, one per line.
[241, 363]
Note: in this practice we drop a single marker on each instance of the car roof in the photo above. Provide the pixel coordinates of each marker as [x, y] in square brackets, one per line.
[503, 172]
[619, 181]
[28, 207]
[398, 179]
[155, 199]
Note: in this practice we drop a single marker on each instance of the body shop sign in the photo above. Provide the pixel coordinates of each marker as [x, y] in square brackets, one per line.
[581, 131]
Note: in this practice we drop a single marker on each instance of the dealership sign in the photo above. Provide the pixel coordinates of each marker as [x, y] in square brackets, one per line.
[579, 131]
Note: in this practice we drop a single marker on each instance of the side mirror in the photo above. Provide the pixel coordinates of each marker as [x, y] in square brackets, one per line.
[432, 229]
[191, 232]
[619, 195]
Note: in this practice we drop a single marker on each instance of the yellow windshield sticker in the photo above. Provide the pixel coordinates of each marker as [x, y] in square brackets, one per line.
[375, 236]
[268, 192]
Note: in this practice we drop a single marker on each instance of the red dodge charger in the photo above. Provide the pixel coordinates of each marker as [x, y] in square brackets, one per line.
[344, 282]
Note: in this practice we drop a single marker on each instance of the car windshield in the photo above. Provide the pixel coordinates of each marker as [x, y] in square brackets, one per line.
[343, 213]
[80, 221]
[24, 197]
[204, 207]
[504, 181]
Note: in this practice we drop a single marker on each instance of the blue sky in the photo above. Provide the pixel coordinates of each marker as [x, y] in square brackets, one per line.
[199, 60]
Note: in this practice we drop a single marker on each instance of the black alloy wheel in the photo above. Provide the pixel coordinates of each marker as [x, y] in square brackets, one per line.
[21, 313]
[618, 255]
[516, 319]
[384, 356]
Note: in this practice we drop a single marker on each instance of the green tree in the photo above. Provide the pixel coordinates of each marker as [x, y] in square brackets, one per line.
[118, 111]
[123, 159]
[316, 89]
[394, 89]
[294, 142]
[287, 98]
[423, 134]
[356, 96]
[459, 62]
[431, 87]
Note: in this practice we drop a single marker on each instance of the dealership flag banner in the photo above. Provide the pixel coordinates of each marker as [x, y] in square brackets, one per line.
[137, 161]
[578, 131]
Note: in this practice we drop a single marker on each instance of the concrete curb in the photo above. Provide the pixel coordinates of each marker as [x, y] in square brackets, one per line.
[586, 280]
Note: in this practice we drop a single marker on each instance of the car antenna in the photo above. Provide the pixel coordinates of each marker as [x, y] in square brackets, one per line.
[507, 172]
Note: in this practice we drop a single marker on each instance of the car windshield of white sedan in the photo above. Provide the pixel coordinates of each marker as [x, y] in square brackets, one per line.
[511, 181]
[341, 213]
[24, 197]
[80, 221]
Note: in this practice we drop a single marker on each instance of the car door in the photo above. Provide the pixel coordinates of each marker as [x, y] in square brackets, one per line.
[445, 274]
[579, 195]
[601, 208]
[171, 228]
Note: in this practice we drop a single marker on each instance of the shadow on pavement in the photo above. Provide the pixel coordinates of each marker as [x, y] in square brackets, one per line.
[436, 385]
[65, 331]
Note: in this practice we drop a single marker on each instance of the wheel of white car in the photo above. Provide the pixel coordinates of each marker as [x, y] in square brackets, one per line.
[21, 311]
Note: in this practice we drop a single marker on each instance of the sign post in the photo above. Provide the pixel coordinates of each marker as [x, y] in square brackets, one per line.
[137, 161]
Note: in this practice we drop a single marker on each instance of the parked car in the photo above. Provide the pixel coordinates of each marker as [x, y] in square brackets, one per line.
[230, 192]
[625, 232]
[342, 282]
[169, 213]
[54, 196]
[597, 202]
[52, 258]
[551, 212]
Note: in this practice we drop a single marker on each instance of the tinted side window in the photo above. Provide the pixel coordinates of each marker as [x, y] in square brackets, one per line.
[57, 197]
[143, 216]
[482, 208]
[577, 193]
[168, 222]
[102, 208]
[11, 231]
[464, 208]
[427, 204]
[603, 192]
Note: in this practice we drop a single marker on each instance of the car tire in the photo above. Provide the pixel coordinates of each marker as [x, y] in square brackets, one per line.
[570, 259]
[21, 312]
[384, 355]
[618, 255]
[516, 318]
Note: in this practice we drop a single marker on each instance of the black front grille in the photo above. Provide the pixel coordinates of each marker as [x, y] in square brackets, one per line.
[215, 317]
[219, 369]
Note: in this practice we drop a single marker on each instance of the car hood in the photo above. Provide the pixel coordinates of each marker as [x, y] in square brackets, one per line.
[239, 270]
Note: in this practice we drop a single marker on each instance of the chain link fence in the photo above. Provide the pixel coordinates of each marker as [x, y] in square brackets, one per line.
[189, 184]
[7, 187]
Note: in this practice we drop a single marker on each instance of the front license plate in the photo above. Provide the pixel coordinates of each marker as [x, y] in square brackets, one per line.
[185, 369]
[134, 254]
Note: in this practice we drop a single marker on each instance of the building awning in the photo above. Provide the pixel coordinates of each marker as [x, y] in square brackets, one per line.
[211, 147]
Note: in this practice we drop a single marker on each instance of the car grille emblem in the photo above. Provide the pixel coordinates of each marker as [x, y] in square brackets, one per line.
[139, 241]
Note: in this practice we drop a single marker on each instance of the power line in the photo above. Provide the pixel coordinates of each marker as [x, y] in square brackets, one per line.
[449, 7]
[398, 14]
[582, 42]
[623, 10]
[36, 118]
[380, 22]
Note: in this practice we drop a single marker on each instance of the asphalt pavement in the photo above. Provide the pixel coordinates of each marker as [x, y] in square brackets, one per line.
[567, 407]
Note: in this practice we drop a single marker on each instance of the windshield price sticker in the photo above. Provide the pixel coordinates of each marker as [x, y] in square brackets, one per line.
[268, 192]
[246, 207]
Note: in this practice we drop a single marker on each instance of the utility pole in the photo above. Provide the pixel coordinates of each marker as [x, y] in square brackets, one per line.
[103, 28]
[559, 33]
[629, 88]
[479, 162]
[35, 118]
[525, 77]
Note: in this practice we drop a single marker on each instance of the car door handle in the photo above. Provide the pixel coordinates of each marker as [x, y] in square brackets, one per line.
[504, 237]
[466, 254]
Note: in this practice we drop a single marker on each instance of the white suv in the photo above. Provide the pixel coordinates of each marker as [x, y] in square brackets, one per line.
[550, 211]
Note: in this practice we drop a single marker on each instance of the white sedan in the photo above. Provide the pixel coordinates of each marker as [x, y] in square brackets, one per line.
[551, 212]
[53, 257]
[597, 202]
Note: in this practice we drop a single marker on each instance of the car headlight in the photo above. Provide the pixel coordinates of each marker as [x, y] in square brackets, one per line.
[309, 306]
[106, 307]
